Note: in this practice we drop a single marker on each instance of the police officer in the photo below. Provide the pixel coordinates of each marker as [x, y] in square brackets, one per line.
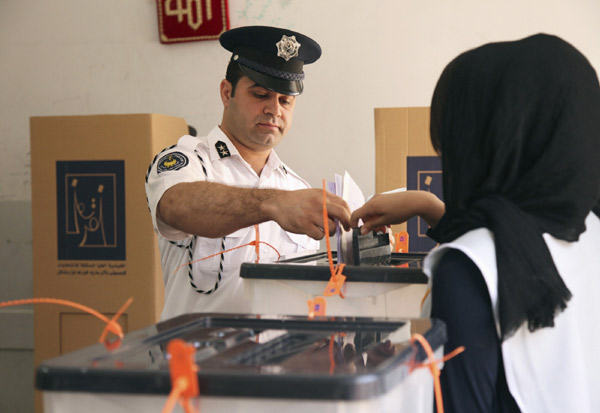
[206, 194]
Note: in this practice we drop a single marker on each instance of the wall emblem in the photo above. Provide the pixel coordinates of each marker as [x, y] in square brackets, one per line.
[191, 20]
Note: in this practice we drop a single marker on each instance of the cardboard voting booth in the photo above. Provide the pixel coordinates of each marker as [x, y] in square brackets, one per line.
[404, 157]
[93, 240]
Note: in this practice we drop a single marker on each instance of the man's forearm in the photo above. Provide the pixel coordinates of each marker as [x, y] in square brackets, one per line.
[214, 210]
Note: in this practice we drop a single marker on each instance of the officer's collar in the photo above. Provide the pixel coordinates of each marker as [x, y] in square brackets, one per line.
[221, 147]
[274, 162]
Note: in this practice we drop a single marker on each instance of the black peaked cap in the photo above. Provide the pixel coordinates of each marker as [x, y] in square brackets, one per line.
[273, 57]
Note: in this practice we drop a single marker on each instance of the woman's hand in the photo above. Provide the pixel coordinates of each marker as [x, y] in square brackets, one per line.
[398, 207]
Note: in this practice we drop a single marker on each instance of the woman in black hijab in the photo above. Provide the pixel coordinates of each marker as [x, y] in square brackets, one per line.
[517, 125]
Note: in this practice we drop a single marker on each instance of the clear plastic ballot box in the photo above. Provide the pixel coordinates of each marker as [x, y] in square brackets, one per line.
[251, 363]
[395, 289]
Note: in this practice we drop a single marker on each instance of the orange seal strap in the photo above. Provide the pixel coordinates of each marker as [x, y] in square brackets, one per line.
[334, 286]
[331, 355]
[337, 279]
[111, 325]
[433, 366]
[336, 282]
[317, 307]
[184, 375]
[251, 243]
[114, 327]
[401, 239]
[424, 297]
[257, 245]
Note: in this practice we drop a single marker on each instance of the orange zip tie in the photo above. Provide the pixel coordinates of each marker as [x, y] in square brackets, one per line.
[331, 353]
[331, 356]
[401, 239]
[326, 230]
[178, 388]
[336, 282]
[257, 245]
[337, 278]
[424, 297]
[184, 378]
[251, 243]
[334, 286]
[401, 244]
[268, 245]
[111, 325]
[447, 357]
[317, 307]
[433, 366]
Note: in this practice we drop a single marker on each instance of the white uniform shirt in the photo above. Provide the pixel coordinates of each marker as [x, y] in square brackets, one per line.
[552, 370]
[214, 158]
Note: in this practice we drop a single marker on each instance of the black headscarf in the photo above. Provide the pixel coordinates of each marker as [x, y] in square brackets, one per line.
[518, 128]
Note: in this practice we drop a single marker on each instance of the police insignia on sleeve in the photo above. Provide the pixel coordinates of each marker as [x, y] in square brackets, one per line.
[173, 161]
[222, 149]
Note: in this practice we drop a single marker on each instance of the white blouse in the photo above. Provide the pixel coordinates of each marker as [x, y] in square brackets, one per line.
[552, 369]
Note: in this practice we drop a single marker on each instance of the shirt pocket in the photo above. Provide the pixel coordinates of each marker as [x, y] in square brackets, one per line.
[233, 259]
[204, 267]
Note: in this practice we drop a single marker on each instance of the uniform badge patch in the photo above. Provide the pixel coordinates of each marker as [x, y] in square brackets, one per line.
[173, 161]
[222, 149]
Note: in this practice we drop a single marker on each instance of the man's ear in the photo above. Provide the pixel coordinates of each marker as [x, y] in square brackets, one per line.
[226, 89]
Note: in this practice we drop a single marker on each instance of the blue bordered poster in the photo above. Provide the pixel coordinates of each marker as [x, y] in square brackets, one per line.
[423, 173]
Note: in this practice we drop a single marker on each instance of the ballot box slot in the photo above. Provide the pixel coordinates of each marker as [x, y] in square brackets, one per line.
[401, 268]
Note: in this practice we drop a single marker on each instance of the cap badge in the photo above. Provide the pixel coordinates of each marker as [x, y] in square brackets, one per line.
[287, 47]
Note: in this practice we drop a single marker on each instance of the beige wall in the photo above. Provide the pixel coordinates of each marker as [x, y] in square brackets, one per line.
[72, 57]
[64, 57]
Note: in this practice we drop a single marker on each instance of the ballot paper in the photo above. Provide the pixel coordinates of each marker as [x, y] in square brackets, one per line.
[347, 188]
[338, 184]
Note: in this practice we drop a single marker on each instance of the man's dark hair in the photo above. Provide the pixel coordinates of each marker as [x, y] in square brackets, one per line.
[233, 75]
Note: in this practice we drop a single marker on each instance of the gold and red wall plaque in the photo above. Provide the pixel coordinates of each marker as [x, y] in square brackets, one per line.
[190, 20]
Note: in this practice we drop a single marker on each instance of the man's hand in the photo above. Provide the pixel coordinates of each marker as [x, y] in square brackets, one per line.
[301, 211]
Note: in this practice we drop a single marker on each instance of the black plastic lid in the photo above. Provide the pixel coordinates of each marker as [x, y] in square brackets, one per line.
[402, 268]
[254, 356]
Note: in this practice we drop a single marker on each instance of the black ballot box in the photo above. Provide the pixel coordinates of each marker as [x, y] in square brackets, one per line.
[253, 363]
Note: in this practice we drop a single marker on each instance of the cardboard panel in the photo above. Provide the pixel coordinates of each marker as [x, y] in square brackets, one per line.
[400, 134]
[93, 240]
[79, 330]
[423, 173]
